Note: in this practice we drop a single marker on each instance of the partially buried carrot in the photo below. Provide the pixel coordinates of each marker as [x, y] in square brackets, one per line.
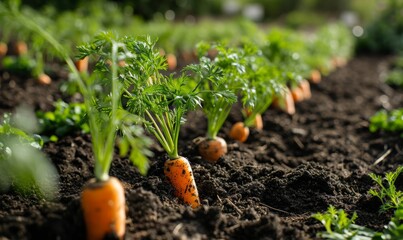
[103, 204]
[180, 174]
[212, 149]
[82, 64]
[258, 123]
[239, 132]
[44, 79]
[3, 49]
[315, 77]
[171, 60]
[297, 94]
[20, 48]
[285, 102]
[305, 88]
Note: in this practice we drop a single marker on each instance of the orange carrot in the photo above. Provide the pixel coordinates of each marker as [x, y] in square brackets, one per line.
[82, 65]
[172, 62]
[103, 204]
[20, 48]
[316, 77]
[305, 89]
[180, 175]
[285, 102]
[3, 49]
[212, 149]
[338, 62]
[258, 123]
[44, 79]
[239, 132]
[297, 94]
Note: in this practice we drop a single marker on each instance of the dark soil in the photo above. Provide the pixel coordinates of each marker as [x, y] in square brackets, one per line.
[266, 188]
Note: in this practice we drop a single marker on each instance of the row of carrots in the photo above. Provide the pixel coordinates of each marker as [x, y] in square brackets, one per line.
[134, 69]
[177, 168]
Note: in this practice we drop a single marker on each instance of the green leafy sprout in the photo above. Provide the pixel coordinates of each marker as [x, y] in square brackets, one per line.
[389, 121]
[390, 197]
[222, 79]
[64, 119]
[161, 101]
[339, 226]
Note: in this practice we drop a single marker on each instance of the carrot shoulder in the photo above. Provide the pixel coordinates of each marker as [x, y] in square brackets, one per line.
[103, 204]
[180, 175]
[212, 149]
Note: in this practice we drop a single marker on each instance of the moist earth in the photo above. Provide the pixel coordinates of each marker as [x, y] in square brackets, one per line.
[265, 188]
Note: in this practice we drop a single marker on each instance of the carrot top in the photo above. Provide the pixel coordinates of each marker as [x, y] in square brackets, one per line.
[161, 101]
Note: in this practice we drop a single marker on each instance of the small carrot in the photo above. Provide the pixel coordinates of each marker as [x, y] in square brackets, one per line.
[20, 48]
[315, 77]
[212, 149]
[44, 79]
[82, 64]
[338, 62]
[180, 175]
[172, 62]
[239, 132]
[285, 102]
[103, 204]
[297, 94]
[258, 123]
[3, 49]
[305, 88]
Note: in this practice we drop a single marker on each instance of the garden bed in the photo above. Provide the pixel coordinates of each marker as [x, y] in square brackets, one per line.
[266, 188]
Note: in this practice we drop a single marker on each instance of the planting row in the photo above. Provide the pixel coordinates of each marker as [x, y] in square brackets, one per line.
[128, 88]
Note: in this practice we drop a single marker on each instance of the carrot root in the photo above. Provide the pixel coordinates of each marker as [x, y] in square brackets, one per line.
[212, 149]
[44, 79]
[297, 94]
[239, 132]
[306, 89]
[316, 76]
[285, 102]
[172, 62]
[82, 65]
[103, 205]
[258, 123]
[20, 48]
[3, 49]
[180, 175]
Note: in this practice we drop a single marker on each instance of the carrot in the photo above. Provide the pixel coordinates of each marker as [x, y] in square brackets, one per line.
[305, 89]
[171, 60]
[239, 132]
[103, 204]
[44, 79]
[3, 49]
[338, 62]
[20, 48]
[180, 175]
[297, 94]
[82, 65]
[315, 77]
[258, 123]
[285, 102]
[212, 149]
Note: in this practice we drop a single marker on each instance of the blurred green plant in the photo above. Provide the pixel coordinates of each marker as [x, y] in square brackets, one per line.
[388, 121]
[23, 167]
[66, 118]
[385, 33]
